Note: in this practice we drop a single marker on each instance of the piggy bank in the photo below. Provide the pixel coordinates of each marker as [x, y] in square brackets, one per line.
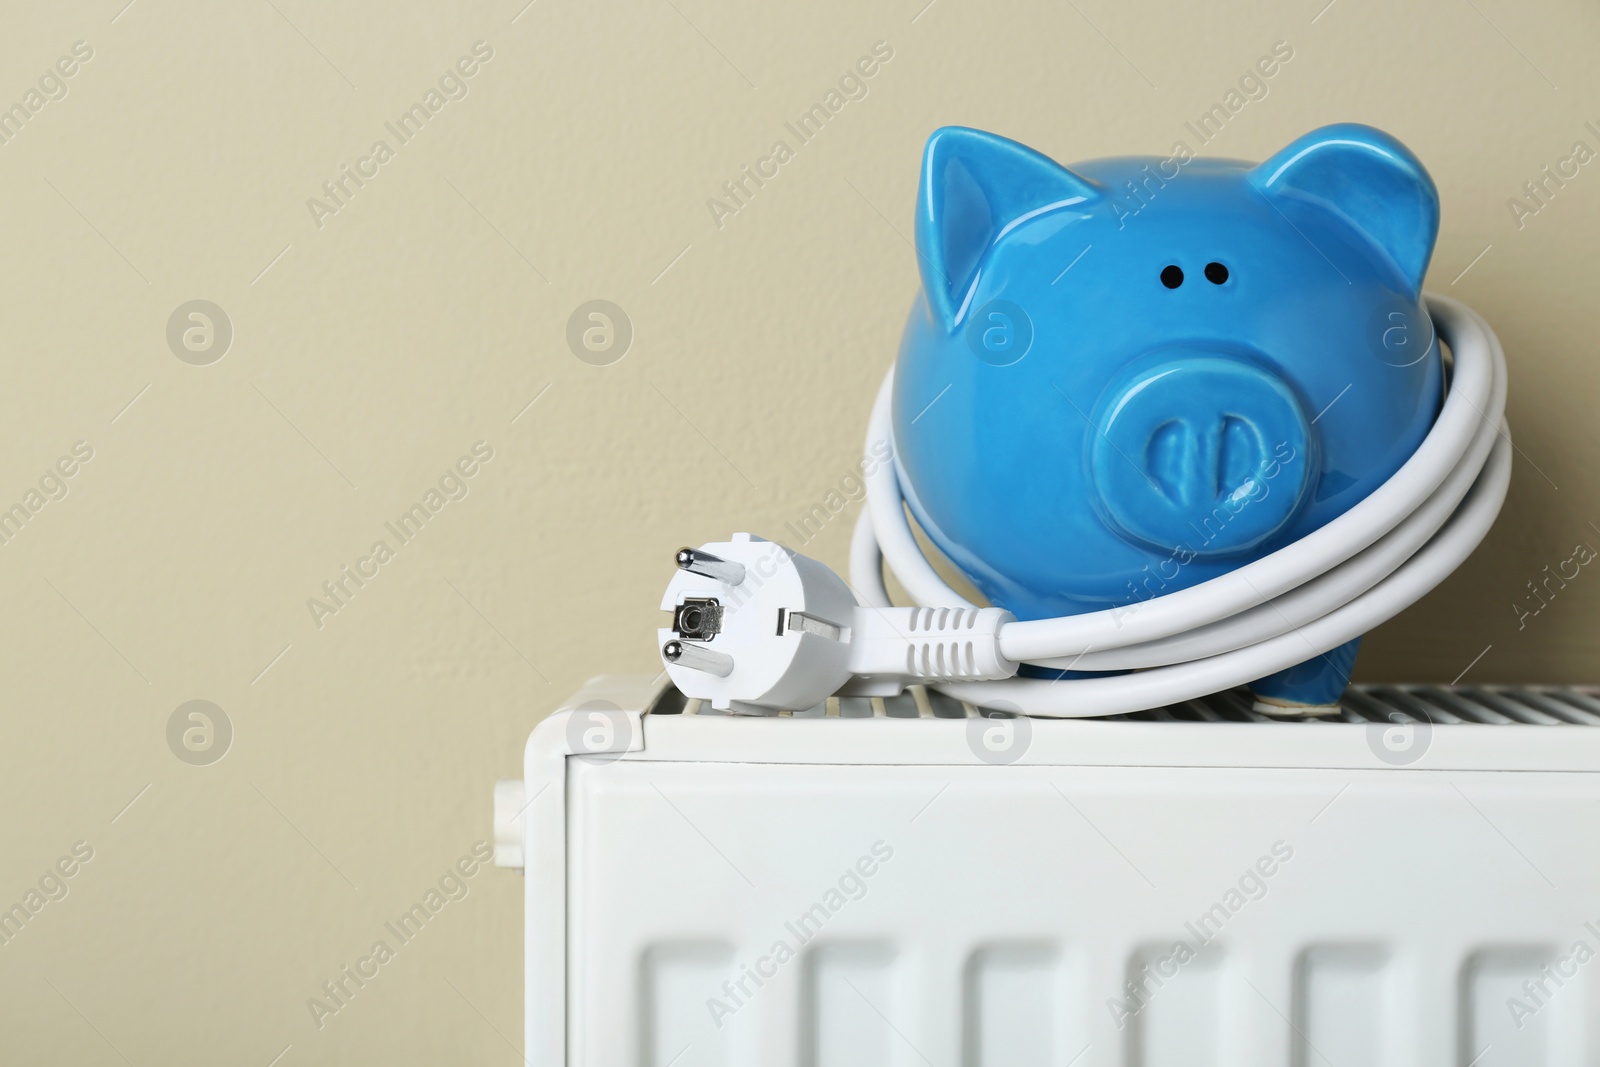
[1126, 377]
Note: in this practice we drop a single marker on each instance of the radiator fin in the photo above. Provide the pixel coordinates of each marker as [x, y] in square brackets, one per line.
[1504, 1024]
[849, 992]
[674, 981]
[1175, 1023]
[1439, 705]
[1013, 1006]
[1343, 1001]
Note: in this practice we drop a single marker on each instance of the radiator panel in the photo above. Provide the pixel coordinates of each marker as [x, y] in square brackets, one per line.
[1183, 951]
[1192, 886]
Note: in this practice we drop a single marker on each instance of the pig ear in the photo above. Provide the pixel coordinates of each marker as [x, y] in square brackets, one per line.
[975, 187]
[1368, 179]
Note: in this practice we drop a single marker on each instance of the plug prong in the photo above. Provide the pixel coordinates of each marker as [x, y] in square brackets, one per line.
[696, 561]
[698, 657]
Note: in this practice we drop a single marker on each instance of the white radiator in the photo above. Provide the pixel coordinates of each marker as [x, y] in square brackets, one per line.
[906, 883]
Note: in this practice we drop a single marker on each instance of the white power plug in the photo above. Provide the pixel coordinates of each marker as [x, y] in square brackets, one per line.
[758, 628]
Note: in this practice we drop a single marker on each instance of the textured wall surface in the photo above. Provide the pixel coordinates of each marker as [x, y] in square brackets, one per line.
[190, 475]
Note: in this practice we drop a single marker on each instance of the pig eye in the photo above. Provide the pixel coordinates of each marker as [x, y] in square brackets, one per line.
[1216, 273]
[1172, 276]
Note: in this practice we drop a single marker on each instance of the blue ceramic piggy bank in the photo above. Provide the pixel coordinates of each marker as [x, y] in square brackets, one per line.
[1127, 377]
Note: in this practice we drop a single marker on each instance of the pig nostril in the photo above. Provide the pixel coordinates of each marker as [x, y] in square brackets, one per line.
[1172, 276]
[1237, 458]
[1216, 273]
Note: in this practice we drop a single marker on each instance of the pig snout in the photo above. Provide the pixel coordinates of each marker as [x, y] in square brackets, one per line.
[1201, 453]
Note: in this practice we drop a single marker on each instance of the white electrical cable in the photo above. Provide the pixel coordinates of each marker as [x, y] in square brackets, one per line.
[1301, 601]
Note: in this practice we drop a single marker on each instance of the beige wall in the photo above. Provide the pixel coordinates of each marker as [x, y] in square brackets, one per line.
[372, 351]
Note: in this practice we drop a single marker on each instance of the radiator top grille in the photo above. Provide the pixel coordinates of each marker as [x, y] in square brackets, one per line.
[1436, 704]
